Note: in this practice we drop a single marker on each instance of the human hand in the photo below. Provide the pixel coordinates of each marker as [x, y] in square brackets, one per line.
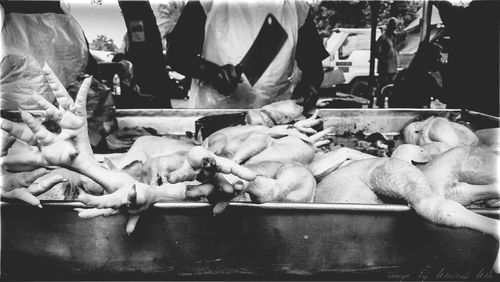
[226, 79]
[306, 96]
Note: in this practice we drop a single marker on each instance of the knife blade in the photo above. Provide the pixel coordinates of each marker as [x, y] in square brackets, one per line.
[264, 49]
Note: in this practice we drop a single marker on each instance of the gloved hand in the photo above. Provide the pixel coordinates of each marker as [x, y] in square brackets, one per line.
[227, 79]
[306, 96]
[223, 78]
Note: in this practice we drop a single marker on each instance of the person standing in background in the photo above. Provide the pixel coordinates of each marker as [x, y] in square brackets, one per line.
[387, 55]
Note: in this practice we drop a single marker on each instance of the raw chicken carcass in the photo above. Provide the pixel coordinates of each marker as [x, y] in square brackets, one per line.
[438, 129]
[368, 181]
[281, 182]
[254, 144]
[154, 171]
[489, 138]
[324, 164]
[148, 147]
[465, 174]
[275, 182]
[281, 175]
[68, 190]
[281, 112]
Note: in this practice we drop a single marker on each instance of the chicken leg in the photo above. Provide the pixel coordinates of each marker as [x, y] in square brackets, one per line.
[465, 174]
[394, 178]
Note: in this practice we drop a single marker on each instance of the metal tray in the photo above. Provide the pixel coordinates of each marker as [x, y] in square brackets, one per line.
[248, 241]
[178, 121]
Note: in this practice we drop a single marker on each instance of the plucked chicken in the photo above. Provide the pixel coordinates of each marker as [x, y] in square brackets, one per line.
[467, 175]
[148, 147]
[281, 112]
[371, 181]
[438, 129]
[253, 144]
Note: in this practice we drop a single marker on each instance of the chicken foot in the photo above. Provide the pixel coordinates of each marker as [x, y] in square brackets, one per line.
[25, 187]
[71, 149]
[275, 181]
[305, 125]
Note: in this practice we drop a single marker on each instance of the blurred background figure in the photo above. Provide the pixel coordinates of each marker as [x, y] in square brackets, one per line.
[422, 81]
[473, 62]
[387, 55]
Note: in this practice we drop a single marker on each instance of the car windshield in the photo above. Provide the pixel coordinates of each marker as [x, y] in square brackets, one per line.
[354, 41]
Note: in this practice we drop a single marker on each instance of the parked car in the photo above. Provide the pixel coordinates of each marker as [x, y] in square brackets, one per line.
[348, 66]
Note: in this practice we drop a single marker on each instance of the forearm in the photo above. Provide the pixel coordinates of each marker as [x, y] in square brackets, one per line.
[312, 74]
[186, 42]
[309, 54]
[192, 65]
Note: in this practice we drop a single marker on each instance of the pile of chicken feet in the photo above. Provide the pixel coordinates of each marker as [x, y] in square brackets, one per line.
[443, 166]
[27, 172]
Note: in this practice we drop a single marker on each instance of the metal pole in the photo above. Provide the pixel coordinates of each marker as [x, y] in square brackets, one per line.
[426, 22]
[374, 8]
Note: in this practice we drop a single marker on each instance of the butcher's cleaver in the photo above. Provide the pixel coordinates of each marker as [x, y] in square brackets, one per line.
[264, 49]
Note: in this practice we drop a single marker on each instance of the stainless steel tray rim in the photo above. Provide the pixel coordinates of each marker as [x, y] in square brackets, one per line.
[269, 206]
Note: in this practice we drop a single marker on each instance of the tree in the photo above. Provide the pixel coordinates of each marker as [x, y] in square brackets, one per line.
[103, 43]
[329, 15]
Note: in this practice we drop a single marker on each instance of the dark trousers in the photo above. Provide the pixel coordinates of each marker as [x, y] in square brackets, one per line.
[146, 52]
[383, 80]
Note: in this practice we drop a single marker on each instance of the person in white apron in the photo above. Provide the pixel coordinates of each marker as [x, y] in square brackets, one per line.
[210, 38]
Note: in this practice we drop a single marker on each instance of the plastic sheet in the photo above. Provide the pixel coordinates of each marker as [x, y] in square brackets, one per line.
[28, 41]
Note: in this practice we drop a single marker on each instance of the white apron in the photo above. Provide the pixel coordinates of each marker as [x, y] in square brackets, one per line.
[29, 40]
[230, 29]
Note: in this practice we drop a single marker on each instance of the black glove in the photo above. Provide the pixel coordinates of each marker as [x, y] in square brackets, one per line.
[227, 79]
[224, 79]
[306, 96]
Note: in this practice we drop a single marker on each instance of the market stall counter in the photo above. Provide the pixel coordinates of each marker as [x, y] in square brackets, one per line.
[249, 241]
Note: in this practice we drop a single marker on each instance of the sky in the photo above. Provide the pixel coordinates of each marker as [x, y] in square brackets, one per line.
[103, 19]
[106, 18]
